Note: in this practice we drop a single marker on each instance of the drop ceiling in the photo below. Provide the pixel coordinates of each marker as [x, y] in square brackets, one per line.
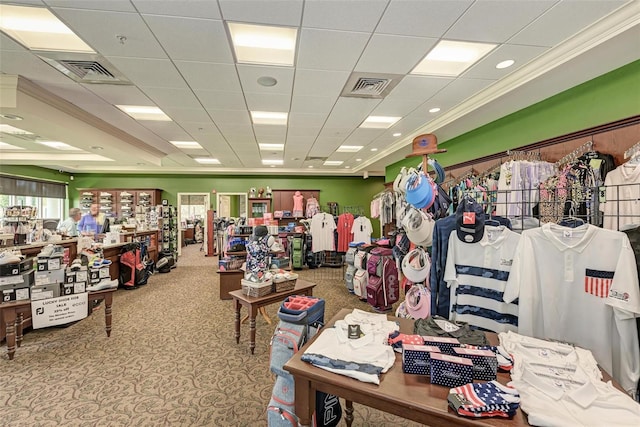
[177, 55]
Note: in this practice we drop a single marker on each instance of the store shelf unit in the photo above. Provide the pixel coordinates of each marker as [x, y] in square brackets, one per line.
[18, 220]
[122, 203]
[168, 226]
[258, 207]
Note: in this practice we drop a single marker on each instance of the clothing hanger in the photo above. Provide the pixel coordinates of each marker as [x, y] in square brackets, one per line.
[571, 221]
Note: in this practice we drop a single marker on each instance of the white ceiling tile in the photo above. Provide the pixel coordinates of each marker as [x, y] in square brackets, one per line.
[495, 21]
[325, 146]
[319, 82]
[217, 100]
[350, 112]
[330, 50]
[312, 104]
[202, 130]
[231, 117]
[163, 128]
[176, 37]
[74, 93]
[31, 67]
[306, 120]
[168, 96]
[7, 43]
[563, 20]
[119, 94]
[335, 132]
[276, 12]
[486, 68]
[303, 134]
[393, 54]
[453, 94]
[363, 136]
[268, 102]
[149, 72]
[419, 87]
[181, 115]
[201, 75]
[421, 18]
[396, 107]
[273, 132]
[112, 5]
[195, 9]
[249, 75]
[361, 15]
[139, 43]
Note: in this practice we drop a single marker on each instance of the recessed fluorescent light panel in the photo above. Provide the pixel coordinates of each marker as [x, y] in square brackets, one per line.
[451, 58]
[58, 145]
[141, 112]
[13, 130]
[273, 147]
[261, 44]
[38, 29]
[273, 162]
[268, 118]
[207, 161]
[379, 122]
[349, 148]
[5, 146]
[333, 162]
[191, 145]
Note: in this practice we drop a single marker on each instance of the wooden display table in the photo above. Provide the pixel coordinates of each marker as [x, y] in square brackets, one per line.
[405, 395]
[254, 303]
[13, 315]
[229, 281]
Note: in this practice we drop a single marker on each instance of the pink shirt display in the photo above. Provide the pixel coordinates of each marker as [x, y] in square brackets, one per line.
[298, 203]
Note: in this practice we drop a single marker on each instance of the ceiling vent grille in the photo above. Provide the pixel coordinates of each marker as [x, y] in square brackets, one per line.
[84, 68]
[88, 69]
[367, 85]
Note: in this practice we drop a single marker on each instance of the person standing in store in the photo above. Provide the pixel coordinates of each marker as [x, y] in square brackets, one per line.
[69, 227]
[91, 223]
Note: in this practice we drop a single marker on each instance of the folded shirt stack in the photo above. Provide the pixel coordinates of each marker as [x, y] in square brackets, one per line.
[479, 400]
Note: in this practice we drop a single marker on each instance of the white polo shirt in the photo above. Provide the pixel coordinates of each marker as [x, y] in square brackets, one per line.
[622, 205]
[580, 285]
[560, 385]
[477, 274]
[322, 228]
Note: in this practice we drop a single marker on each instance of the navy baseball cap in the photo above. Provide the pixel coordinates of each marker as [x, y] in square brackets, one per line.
[470, 218]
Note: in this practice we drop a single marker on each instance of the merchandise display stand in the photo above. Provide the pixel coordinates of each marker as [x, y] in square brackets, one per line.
[423, 145]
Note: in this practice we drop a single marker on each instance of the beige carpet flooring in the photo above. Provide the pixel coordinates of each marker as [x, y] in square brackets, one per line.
[171, 360]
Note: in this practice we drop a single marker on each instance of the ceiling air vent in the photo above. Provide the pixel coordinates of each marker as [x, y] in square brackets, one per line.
[368, 85]
[84, 68]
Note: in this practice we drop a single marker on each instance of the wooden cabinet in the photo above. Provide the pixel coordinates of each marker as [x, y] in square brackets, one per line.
[283, 201]
[258, 207]
[118, 202]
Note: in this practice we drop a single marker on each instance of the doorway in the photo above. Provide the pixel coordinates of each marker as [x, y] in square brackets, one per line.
[192, 219]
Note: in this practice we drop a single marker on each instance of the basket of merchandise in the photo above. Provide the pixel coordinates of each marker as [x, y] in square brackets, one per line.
[256, 289]
[284, 281]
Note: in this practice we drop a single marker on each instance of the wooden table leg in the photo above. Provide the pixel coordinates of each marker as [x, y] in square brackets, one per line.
[19, 327]
[304, 403]
[10, 321]
[236, 306]
[263, 311]
[348, 413]
[252, 328]
[108, 302]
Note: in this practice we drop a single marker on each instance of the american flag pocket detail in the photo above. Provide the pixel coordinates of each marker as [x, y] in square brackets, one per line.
[598, 282]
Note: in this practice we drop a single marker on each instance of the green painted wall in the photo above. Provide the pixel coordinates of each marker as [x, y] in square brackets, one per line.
[35, 172]
[610, 97]
[346, 191]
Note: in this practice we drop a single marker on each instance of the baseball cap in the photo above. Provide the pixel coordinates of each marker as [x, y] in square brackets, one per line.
[470, 221]
[260, 231]
[419, 190]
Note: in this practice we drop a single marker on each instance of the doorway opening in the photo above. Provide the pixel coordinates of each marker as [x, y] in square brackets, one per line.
[192, 219]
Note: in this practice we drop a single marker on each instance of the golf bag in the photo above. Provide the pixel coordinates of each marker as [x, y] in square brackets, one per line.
[301, 317]
[135, 268]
